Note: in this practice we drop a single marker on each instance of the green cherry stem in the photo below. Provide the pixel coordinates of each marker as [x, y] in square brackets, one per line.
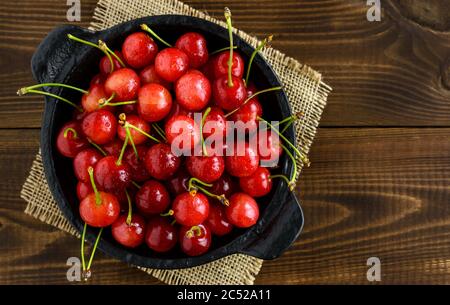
[221, 50]
[145, 27]
[97, 147]
[83, 237]
[227, 15]
[130, 211]
[192, 186]
[98, 199]
[122, 151]
[252, 57]
[73, 131]
[103, 45]
[23, 92]
[94, 249]
[205, 114]
[291, 183]
[118, 103]
[91, 44]
[168, 213]
[124, 123]
[54, 85]
[159, 131]
[281, 136]
[127, 131]
[194, 230]
[136, 185]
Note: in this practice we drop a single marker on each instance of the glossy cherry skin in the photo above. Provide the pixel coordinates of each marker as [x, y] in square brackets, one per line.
[128, 109]
[242, 164]
[206, 168]
[105, 63]
[171, 64]
[136, 165]
[99, 215]
[179, 182]
[154, 102]
[183, 133]
[243, 211]
[83, 189]
[160, 162]
[229, 98]
[90, 100]
[194, 45]
[139, 50]
[122, 197]
[124, 83]
[71, 145]
[129, 235]
[193, 90]
[270, 151]
[248, 114]
[100, 126]
[208, 68]
[148, 75]
[197, 244]
[152, 198]
[225, 185]
[83, 160]
[217, 220]
[221, 65]
[111, 177]
[98, 79]
[190, 209]
[113, 148]
[215, 124]
[138, 137]
[161, 236]
[178, 110]
[258, 184]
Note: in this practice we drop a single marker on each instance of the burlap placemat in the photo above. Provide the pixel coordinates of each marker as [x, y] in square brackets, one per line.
[305, 90]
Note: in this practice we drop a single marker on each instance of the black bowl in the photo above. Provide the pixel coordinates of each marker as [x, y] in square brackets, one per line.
[59, 59]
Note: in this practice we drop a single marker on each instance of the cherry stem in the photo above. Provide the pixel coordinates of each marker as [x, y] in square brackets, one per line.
[252, 96]
[169, 213]
[124, 146]
[221, 50]
[54, 85]
[227, 15]
[118, 103]
[98, 199]
[129, 209]
[23, 92]
[97, 147]
[193, 188]
[73, 131]
[98, 46]
[159, 131]
[135, 184]
[145, 27]
[173, 222]
[83, 236]
[290, 183]
[281, 136]
[127, 130]
[252, 57]
[103, 45]
[294, 165]
[124, 123]
[103, 102]
[94, 249]
[194, 230]
[207, 111]
[191, 184]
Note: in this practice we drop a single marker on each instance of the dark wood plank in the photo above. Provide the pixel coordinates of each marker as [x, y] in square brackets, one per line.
[389, 73]
[369, 192]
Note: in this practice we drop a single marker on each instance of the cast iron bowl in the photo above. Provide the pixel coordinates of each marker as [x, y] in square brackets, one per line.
[58, 59]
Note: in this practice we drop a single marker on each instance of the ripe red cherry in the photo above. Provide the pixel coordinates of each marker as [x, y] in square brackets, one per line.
[129, 235]
[136, 165]
[226, 97]
[217, 220]
[195, 241]
[138, 137]
[152, 198]
[128, 109]
[194, 45]
[68, 143]
[100, 214]
[190, 209]
[220, 66]
[224, 186]
[100, 126]
[122, 197]
[206, 168]
[208, 68]
[83, 160]
[178, 110]
[270, 151]
[258, 184]
[182, 132]
[154, 102]
[161, 236]
[111, 176]
[243, 211]
[248, 114]
[148, 75]
[139, 50]
[98, 79]
[171, 64]
[113, 148]
[215, 124]
[124, 83]
[193, 90]
[105, 63]
[242, 164]
[160, 162]
[90, 100]
[83, 189]
[179, 182]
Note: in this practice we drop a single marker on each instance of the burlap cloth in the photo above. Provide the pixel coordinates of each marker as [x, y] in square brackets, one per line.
[306, 92]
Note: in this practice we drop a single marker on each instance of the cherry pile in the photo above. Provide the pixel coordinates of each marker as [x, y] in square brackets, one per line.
[123, 131]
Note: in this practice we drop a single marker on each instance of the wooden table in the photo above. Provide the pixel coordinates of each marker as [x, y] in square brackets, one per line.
[379, 184]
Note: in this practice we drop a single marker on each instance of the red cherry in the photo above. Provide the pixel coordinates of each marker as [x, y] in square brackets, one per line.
[243, 211]
[208, 68]
[139, 50]
[160, 162]
[269, 152]
[258, 184]
[152, 198]
[206, 168]
[190, 209]
[195, 241]
[100, 126]
[83, 160]
[178, 110]
[137, 166]
[179, 182]
[90, 100]
[138, 137]
[161, 236]
[242, 163]
[110, 176]
[83, 189]
[194, 45]
[171, 64]
[154, 102]
[113, 148]
[124, 83]
[193, 90]
[129, 235]
[215, 124]
[217, 221]
[122, 197]
[98, 79]
[105, 63]
[100, 214]
[225, 185]
[183, 133]
[221, 65]
[68, 143]
[129, 108]
[248, 114]
[226, 97]
[148, 75]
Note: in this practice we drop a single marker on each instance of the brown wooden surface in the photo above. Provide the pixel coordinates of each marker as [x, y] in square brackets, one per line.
[379, 184]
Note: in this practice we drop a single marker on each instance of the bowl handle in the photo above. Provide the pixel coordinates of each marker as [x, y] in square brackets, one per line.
[280, 233]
